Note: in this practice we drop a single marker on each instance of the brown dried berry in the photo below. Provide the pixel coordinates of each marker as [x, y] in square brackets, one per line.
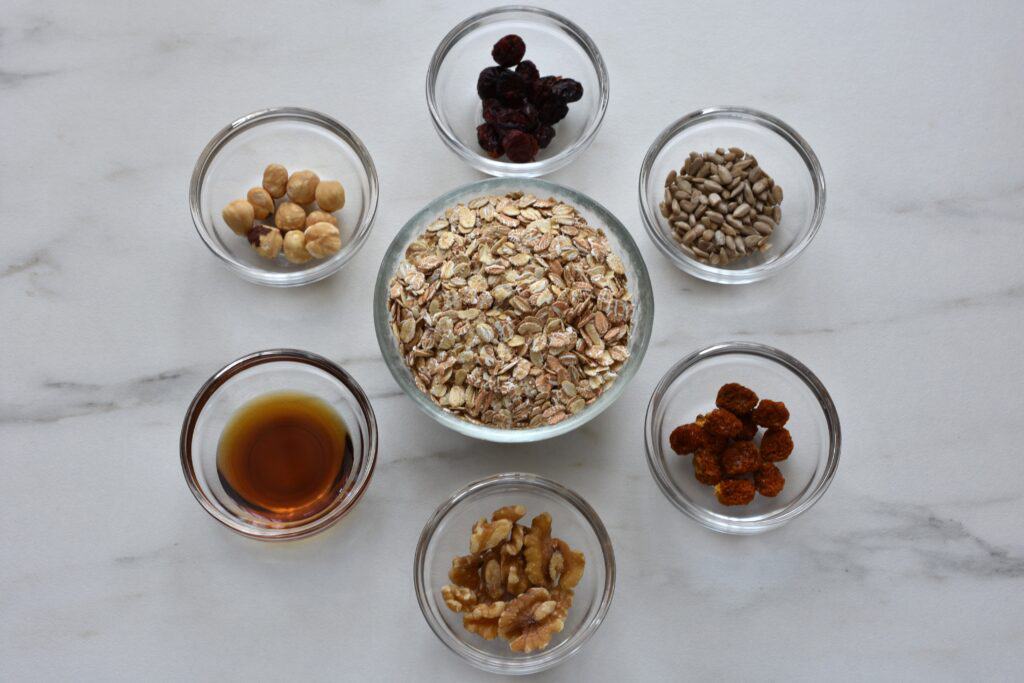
[487, 82]
[520, 147]
[736, 398]
[567, 90]
[509, 50]
[511, 88]
[706, 468]
[528, 71]
[489, 138]
[749, 430]
[552, 111]
[545, 134]
[722, 423]
[735, 491]
[776, 444]
[771, 414]
[740, 458]
[769, 480]
[686, 439]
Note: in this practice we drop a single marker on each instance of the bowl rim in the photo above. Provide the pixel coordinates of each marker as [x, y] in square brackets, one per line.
[496, 167]
[308, 275]
[544, 659]
[641, 289]
[652, 216]
[241, 365]
[655, 448]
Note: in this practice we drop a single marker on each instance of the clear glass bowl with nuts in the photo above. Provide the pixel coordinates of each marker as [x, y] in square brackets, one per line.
[778, 150]
[447, 536]
[513, 328]
[689, 388]
[260, 188]
[555, 44]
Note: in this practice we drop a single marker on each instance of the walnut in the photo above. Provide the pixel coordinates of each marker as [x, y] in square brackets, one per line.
[537, 549]
[512, 513]
[459, 598]
[465, 571]
[494, 584]
[483, 619]
[529, 621]
[513, 572]
[570, 565]
[515, 541]
[487, 535]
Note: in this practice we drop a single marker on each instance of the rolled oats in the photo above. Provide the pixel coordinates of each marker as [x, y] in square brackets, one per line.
[512, 311]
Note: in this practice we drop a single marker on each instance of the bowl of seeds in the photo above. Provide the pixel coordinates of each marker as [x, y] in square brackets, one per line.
[513, 310]
[731, 195]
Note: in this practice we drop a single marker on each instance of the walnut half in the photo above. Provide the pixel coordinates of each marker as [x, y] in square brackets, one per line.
[483, 619]
[458, 598]
[529, 621]
[487, 535]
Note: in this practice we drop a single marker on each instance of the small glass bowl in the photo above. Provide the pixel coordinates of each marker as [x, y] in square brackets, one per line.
[556, 45]
[780, 151]
[233, 162]
[639, 283]
[447, 535]
[255, 375]
[690, 388]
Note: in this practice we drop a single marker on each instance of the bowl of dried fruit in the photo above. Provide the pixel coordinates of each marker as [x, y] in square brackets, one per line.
[514, 573]
[517, 91]
[284, 196]
[742, 437]
[513, 310]
[731, 195]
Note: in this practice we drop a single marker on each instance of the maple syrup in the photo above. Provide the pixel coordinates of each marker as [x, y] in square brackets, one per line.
[284, 455]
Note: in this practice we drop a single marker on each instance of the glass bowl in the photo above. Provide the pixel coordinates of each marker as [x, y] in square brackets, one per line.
[780, 151]
[447, 535]
[689, 389]
[233, 162]
[622, 243]
[556, 45]
[255, 375]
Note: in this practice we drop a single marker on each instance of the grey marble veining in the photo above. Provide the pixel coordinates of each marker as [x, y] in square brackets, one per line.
[909, 305]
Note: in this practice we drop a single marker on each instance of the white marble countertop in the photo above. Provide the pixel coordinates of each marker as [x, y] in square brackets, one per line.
[909, 305]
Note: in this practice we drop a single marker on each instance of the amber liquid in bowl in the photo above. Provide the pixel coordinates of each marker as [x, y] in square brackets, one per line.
[284, 456]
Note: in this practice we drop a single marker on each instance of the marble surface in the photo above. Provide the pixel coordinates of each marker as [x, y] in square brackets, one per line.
[909, 306]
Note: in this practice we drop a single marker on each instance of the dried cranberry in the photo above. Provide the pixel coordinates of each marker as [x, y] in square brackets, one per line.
[511, 88]
[520, 147]
[487, 82]
[567, 90]
[492, 110]
[532, 117]
[528, 71]
[509, 50]
[489, 138]
[540, 90]
[553, 111]
[509, 118]
[545, 134]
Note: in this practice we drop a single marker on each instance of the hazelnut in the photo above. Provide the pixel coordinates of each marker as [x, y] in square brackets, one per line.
[330, 195]
[295, 247]
[262, 202]
[290, 216]
[239, 216]
[275, 180]
[322, 239]
[321, 217]
[266, 241]
[302, 186]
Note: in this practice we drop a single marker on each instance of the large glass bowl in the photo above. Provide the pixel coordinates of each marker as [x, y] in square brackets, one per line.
[447, 533]
[780, 151]
[622, 243]
[690, 388]
[556, 45]
[299, 139]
